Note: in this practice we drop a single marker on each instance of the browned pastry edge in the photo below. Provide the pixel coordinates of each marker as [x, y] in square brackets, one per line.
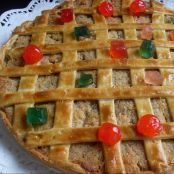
[64, 166]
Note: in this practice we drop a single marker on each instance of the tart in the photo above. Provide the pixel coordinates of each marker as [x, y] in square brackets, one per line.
[82, 85]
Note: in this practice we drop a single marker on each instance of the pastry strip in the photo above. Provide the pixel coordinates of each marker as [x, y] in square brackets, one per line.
[143, 106]
[78, 135]
[86, 94]
[113, 156]
[87, 64]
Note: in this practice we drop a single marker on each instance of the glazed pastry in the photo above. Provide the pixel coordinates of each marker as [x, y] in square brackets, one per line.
[81, 85]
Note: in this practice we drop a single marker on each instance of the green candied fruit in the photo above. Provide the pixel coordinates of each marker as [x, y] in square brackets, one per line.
[147, 49]
[36, 116]
[81, 32]
[172, 20]
[85, 80]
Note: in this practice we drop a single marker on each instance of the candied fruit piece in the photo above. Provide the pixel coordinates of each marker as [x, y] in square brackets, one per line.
[172, 20]
[109, 134]
[147, 49]
[66, 16]
[36, 116]
[32, 54]
[81, 32]
[172, 35]
[149, 125]
[118, 50]
[85, 80]
[153, 78]
[137, 7]
[106, 9]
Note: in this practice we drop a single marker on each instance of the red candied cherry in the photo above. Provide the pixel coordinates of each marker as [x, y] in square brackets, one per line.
[137, 7]
[118, 50]
[109, 134]
[105, 8]
[32, 54]
[149, 125]
[66, 15]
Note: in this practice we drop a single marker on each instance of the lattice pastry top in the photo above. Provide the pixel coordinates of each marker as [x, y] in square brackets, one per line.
[82, 86]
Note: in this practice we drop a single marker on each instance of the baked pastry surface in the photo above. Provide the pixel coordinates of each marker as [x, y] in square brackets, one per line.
[119, 93]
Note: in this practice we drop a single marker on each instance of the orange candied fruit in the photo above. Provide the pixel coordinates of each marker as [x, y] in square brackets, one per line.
[118, 50]
[172, 35]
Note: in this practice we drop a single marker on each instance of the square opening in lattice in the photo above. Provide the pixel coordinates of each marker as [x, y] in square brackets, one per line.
[125, 111]
[143, 19]
[86, 55]
[93, 73]
[116, 34]
[47, 82]
[52, 20]
[168, 146]
[22, 41]
[172, 53]
[51, 106]
[84, 19]
[116, 4]
[92, 36]
[134, 155]
[13, 59]
[169, 19]
[114, 19]
[83, 3]
[121, 78]
[85, 114]
[54, 38]
[51, 59]
[161, 109]
[89, 156]
[9, 84]
[139, 34]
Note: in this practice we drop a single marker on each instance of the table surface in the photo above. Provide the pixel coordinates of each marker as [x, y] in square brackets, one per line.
[13, 4]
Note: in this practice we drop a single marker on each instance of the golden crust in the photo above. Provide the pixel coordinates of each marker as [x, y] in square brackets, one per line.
[61, 135]
[86, 64]
[58, 136]
[86, 94]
